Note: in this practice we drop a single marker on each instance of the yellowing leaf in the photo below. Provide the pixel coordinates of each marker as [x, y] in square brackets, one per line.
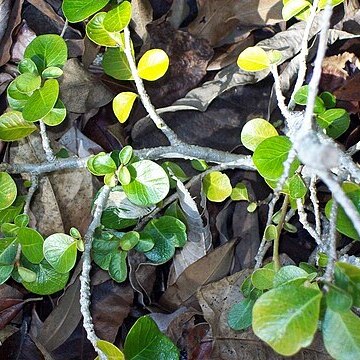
[122, 105]
[110, 350]
[153, 64]
[253, 59]
[217, 186]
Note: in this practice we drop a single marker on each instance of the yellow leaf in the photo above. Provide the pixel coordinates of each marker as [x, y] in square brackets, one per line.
[153, 64]
[122, 105]
[110, 350]
[253, 59]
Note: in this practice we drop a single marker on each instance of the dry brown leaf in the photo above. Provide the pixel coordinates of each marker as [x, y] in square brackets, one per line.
[215, 300]
[80, 90]
[211, 267]
[218, 18]
[142, 14]
[23, 38]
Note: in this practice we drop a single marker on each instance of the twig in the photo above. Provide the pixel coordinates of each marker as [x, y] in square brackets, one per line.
[303, 54]
[279, 95]
[158, 121]
[64, 28]
[85, 293]
[46, 143]
[315, 202]
[331, 249]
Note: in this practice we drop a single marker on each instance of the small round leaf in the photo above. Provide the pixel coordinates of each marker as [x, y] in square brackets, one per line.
[153, 64]
[253, 59]
[122, 105]
[8, 190]
[217, 186]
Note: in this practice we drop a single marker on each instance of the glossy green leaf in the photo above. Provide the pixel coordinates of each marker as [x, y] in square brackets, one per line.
[338, 300]
[42, 101]
[26, 274]
[56, 115]
[175, 211]
[217, 186]
[255, 131]
[78, 10]
[166, 233]
[153, 64]
[126, 154]
[347, 277]
[8, 249]
[253, 59]
[334, 121]
[31, 244]
[149, 184]
[145, 341]
[47, 50]
[270, 155]
[322, 3]
[110, 350]
[240, 314]
[263, 278]
[116, 65]
[297, 187]
[101, 164]
[329, 99]
[173, 169]
[8, 190]
[110, 180]
[301, 99]
[129, 240]
[52, 72]
[239, 192]
[105, 245]
[199, 165]
[343, 224]
[293, 7]
[5, 272]
[60, 251]
[118, 18]
[288, 274]
[122, 105]
[48, 280]
[28, 82]
[22, 220]
[8, 215]
[14, 127]
[96, 32]
[15, 98]
[9, 230]
[118, 266]
[27, 66]
[286, 317]
[341, 334]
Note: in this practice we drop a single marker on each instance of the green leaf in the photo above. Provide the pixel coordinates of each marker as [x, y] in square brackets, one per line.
[145, 341]
[252, 207]
[149, 184]
[14, 127]
[48, 280]
[334, 121]
[8, 249]
[26, 274]
[322, 3]
[341, 334]
[217, 186]
[255, 131]
[116, 65]
[301, 97]
[42, 101]
[47, 50]
[22, 220]
[9, 230]
[15, 98]
[270, 155]
[274, 56]
[27, 83]
[129, 240]
[52, 72]
[153, 64]
[31, 244]
[117, 266]
[101, 164]
[338, 300]
[8, 190]
[263, 278]
[56, 115]
[118, 18]
[343, 224]
[329, 99]
[173, 169]
[293, 7]
[27, 66]
[5, 272]
[166, 233]
[239, 192]
[297, 187]
[290, 274]
[110, 350]
[8, 215]
[105, 245]
[78, 10]
[347, 277]
[253, 59]
[122, 105]
[199, 165]
[286, 317]
[126, 154]
[60, 251]
[96, 32]
[271, 232]
[240, 315]
[175, 211]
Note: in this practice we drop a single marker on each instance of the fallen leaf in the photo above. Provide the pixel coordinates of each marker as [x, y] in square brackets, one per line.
[211, 267]
[24, 37]
[142, 14]
[217, 19]
[11, 303]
